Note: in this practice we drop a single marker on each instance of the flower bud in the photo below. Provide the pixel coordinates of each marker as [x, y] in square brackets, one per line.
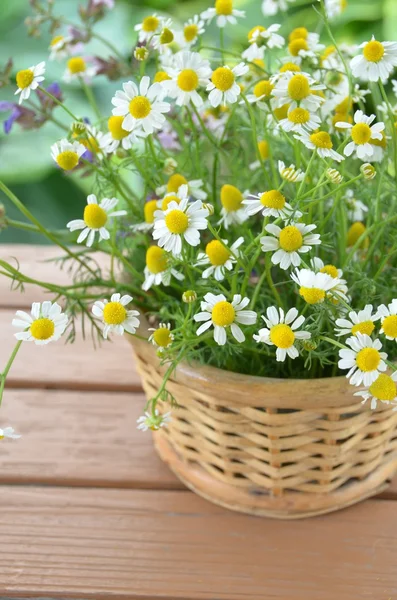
[368, 171]
[170, 166]
[334, 176]
[309, 345]
[141, 53]
[189, 296]
[209, 207]
[77, 128]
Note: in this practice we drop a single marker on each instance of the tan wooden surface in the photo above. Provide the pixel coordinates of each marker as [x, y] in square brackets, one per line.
[87, 510]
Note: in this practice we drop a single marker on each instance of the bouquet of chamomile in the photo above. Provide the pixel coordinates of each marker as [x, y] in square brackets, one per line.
[259, 235]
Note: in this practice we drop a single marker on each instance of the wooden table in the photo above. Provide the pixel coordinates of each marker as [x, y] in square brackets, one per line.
[87, 510]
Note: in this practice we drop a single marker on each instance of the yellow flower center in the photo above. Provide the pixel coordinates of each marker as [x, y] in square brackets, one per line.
[114, 313]
[92, 145]
[297, 45]
[263, 148]
[162, 337]
[298, 87]
[368, 359]
[273, 199]
[251, 34]
[177, 221]
[140, 107]
[166, 36]
[312, 295]
[116, 129]
[223, 78]
[24, 78]
[42, 329]
[355, 232]
[175, 182]
[67, 160]
[361, 133]
[289, 66]
[389, 325]
[383, 388]
[321, 139]
[94, 216]
[150, 24]
[282, 112]
[223, 314]
[169, 198]
[299, 115]
[156, 259]
[263, 88]
[291, 238]
[217, 253]
[161, 76]
[56, 39]
[149, 209]
[298, 33]
[76, 65]
[231, 198]
[366, 327]
[188, 80]
[329, 50]
[373, 51]
[330, 270]
[282, 336]
[190, 32]
[224, 7]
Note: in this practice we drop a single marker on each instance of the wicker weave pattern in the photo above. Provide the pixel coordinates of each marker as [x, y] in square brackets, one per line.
[276, 451]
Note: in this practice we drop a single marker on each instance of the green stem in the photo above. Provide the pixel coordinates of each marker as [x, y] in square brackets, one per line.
[3, 375]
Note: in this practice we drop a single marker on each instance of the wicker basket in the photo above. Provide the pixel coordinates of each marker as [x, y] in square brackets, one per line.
[274, 447]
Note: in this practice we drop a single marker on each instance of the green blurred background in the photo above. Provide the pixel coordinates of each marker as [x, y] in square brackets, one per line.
[25, 161]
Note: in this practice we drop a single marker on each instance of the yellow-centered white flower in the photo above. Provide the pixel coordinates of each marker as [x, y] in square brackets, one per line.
[153, 421]
[117, 136]
[115, 316]
[315, 287]
[362, 133]
[95, 219]
[45, 323]
[28, 80]
[388, 318]
[320, 142]
[224, 13]
[189, 72]
[289, 242]
[67, 154]
[161, 337]
[299, 119]
[142, 107]
[233, 211]
[158, 270]
[377, 60]
[150, 26]
[79, 67]
[365, 360]
[272, 204]
[223, 87]
[9, 432]
[282, 332]
[383, 389]
[221, 314]
[219, 257]
[191, 31]
[358, 322]
[297, 90]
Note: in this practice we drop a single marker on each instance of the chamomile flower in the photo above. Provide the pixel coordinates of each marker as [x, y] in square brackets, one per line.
[362, 133]
[383, 389]
[300, 48]
[299, 120]
[192, 30]
[291, 173]
[176, 181]
[334, 8]
[358, 322]
[297, 89]
[320, 142]
[60, 47]
[161, 337]
[340, 290]
[141, 107]
[219, 257]
[28, 80]
[377, 60]
[179, 222]
[150, 25]
[356, 209]
[181, 193]
[223, 87]
[153, 421]
[314, 287]
[115, 316]
[67, 154]
[79, 67]
[117, 136]
[334, 176]
[149, 209]
[282, 332]
[221, 314]
[364, 360]
[261, 37]
[96, 217]
[157, 270]
[45, 323]
[224, 13]
[272, 7]
[189, 72]
[388, 317]
[9, 432]
[289, 242]
[262, 92]
[272, 204]
[233, 211]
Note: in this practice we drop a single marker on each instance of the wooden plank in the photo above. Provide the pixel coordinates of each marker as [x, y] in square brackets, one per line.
[80, 439]
[119, 544]
[36, 262]
[69, 366]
